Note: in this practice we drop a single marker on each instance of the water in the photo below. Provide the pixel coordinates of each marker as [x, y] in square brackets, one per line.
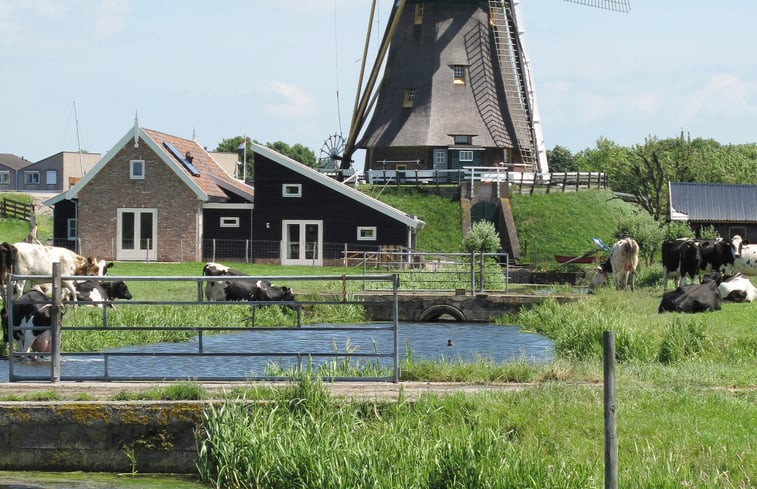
[425, 341]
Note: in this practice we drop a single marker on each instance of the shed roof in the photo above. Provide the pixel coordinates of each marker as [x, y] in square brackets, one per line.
[13, 162]
[713, 202]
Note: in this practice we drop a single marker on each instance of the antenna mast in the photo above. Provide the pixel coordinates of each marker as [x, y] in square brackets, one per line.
[78, 142]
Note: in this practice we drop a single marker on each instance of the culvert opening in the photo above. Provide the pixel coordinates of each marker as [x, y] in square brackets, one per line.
[442, 312]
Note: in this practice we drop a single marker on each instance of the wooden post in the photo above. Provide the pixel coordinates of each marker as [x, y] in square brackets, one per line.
[611, 440]
[55, 320]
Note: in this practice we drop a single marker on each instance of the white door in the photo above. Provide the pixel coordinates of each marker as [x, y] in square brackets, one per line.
[137, 234]
[301, 243]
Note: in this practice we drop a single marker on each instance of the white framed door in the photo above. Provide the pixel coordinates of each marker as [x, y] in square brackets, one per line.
[301, 242]
[137, 234]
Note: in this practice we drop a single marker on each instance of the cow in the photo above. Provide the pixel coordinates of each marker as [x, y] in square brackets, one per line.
[35, 259]
[33, 311]
[680, 259]
[737, 288]
[624, 258]
[691, 298]
[258, 290]
[744, 256]
[214, 290]
[101, 291]
[7, 259]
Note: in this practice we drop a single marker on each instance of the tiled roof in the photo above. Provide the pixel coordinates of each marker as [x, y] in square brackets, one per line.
[713, 202]
[12, 161]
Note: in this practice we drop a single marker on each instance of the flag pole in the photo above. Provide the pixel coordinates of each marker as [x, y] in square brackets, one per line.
[244, 158]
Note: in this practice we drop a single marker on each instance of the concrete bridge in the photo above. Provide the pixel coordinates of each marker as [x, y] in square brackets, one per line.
[463, 307]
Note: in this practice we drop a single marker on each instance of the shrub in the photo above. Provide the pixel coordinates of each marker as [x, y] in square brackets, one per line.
[482, 237]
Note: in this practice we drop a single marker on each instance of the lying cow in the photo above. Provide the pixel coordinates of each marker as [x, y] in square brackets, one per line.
[214, 290]
[691, 298]
[102, 291]
[737, 288]
[623, 261]
[31, 310]
[258, 290]
[744, 256]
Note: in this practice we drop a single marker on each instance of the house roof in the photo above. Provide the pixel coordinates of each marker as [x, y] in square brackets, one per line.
[310, 173]
[205, 177]
[713, 202]
[13, 162]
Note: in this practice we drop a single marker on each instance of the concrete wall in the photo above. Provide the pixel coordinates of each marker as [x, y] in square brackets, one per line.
[146, 436]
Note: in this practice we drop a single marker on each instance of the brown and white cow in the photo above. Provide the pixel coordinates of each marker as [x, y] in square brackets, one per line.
[624, 258]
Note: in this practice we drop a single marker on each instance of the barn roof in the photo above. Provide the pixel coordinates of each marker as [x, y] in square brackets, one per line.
[204, 176]
[713, 202]
[13, 162]
[356, 195]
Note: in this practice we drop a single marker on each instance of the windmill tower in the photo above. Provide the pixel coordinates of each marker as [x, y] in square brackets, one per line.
[456, 89]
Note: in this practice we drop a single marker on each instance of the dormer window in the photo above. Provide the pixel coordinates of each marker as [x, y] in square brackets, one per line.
[462, 139]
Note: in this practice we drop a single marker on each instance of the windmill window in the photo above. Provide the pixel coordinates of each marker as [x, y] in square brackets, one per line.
[419, 14]
[137, 169]
[462, 139]
[366, 233]
[458, 72]
[5, 177]
[229, 222]
[31, 177]
[291, 190]
[466, 155]
[409, 98]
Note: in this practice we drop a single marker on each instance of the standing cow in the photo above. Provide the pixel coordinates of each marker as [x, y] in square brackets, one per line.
[624, 258]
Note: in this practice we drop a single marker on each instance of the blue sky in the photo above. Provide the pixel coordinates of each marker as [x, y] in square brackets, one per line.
[272, 69]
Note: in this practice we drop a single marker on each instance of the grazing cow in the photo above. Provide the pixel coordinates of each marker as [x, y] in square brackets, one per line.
[680, 259]
[737, 288]
[691, 298]
[31, 310]
[100, 291]
[214, 290]
[624, 258]
[35, 259]
[744, 256]
[258, 290]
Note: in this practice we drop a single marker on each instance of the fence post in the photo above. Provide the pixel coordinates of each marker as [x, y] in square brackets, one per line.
[55, 320]
[482, 261]
[473, 273]
[611, 440]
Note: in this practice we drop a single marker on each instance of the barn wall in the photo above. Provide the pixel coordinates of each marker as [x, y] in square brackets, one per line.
[112, 188]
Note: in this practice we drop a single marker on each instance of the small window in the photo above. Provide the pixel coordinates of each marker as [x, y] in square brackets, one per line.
[291, 190]
[5, 177]
[458, 74]
[31, 177]
[462, 139]
[71, 229]
[466, 155]
[419, 14]
[366, 233]
[137, 169]
[229, 222]
[51, 177]
[440, 158]
[409, 98]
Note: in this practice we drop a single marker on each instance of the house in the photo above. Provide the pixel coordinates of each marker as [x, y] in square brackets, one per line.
[56, 173]
[155, 196]
[303, 217]
[10, 167]
[731, 209]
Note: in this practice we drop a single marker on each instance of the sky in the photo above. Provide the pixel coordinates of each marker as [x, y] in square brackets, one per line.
[75, 73]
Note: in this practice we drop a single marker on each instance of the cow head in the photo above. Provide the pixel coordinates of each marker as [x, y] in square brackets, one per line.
[736, 245]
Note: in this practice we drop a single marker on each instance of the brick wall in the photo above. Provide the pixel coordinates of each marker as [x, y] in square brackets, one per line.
[178, 215]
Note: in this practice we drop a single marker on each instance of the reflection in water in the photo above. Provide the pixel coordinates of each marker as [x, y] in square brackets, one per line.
[448, 341]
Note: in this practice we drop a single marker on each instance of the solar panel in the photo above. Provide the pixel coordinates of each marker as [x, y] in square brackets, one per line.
[189, 166]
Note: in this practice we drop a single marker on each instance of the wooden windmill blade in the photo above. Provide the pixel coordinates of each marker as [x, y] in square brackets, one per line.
[456, 89]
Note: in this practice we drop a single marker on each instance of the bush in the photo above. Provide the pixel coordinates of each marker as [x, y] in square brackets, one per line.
[482, 237]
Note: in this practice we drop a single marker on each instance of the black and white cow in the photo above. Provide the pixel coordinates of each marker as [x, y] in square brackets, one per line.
[256, 290]
[31, 310]
[691, 298]
[214, 289]
[744, 256]
[685, 258]
[737, 288]
[101, 291]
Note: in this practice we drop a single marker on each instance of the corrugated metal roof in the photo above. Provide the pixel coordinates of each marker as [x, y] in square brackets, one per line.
[713, 202]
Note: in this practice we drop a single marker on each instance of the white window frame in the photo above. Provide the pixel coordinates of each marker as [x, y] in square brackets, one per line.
[466, 155]
[366, 233]
[71, 229]
[134, 164]
[28, 177]
[291, 190]
[49, 180]
[229, 222]
[5, 178]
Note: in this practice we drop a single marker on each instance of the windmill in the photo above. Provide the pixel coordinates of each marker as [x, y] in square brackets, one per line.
[456, 89]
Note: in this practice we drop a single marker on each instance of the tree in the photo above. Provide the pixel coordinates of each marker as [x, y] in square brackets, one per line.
[232, 145]
[560, 159]
[482, 237]
[298, 152]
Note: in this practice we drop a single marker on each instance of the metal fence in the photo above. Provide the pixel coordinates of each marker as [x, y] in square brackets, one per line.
[198, 352]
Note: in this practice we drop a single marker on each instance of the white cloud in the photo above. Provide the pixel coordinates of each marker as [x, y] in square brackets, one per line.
[293, 101]
[110, 16]
[722, 95]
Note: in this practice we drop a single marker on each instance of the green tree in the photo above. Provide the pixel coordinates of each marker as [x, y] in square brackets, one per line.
[645, 231]
[232, 145]
[561, 160]
[482, 237]
[298, 152]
